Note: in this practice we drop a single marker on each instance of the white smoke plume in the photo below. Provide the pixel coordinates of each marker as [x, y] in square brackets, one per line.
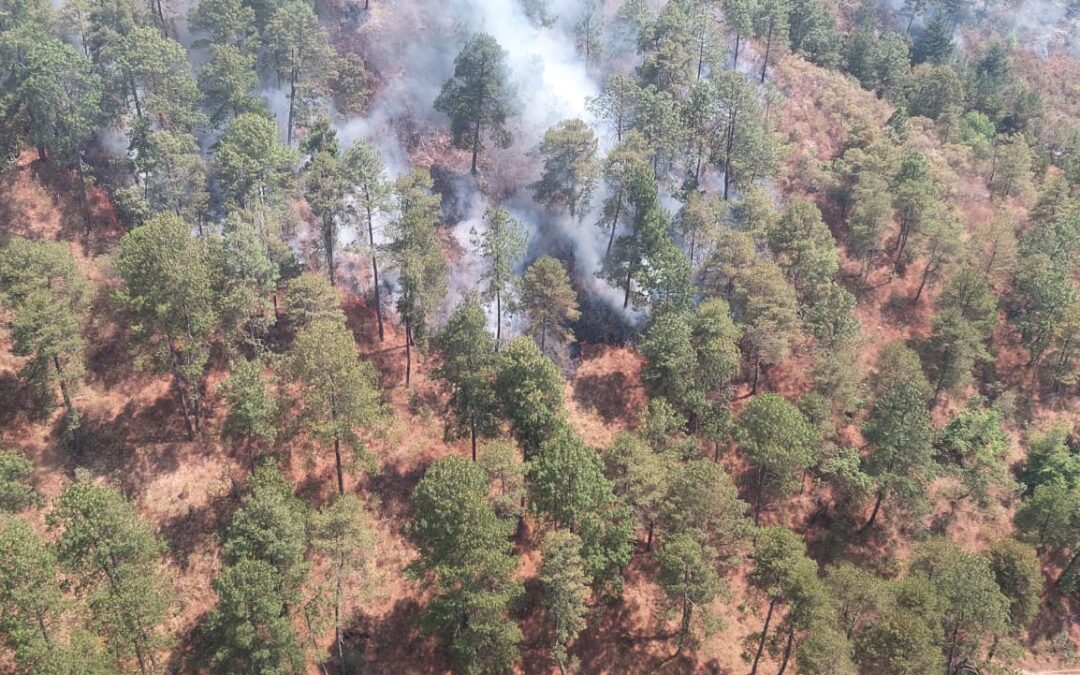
[411, 46]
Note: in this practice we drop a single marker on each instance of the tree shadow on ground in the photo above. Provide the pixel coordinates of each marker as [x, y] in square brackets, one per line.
[394, 484]
[393, 643]
[606, 394]
[135, 445]
[190, 654]
[612, 644]
[187, 532]
[18, 401]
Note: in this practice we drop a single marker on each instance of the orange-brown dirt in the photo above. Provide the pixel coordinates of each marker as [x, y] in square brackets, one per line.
[133, 438]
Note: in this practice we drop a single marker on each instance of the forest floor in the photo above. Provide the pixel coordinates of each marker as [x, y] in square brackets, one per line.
[133, 439]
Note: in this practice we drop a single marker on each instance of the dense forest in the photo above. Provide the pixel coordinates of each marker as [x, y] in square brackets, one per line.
[539, 336]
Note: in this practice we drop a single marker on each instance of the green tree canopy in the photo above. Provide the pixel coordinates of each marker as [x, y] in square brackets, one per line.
[468, 367]
[530, 389]
[48, 296]
[566, 591]
[466, 560]
[302, 55]
[780, 443]
[501, 244]
[115, 556]
[548, 301]
[422, 268]
[168, 293]
[479, 97]
[338, 392]
[570, 167]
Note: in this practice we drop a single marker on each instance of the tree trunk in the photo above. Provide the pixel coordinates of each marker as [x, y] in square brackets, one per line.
[135, 96]
[196, 409]
[728, 148]
[614, 223]
[1068, 568]
[498, 316]
[684, 625]
[922, 282]
[764, 633]
[408, 353]
[292, 107]
[475, 145]
[874, 513]
[787, 650]
[375, 272]
[940, 384]
[768, 48]
[758, 492]
[337, 465]
[472, 433]
[629, 277]
[337, 615]
[952, 649]
[701, 55]
[735, 60]
[141, 658]
[73, 414]
[84, 204]
[649, 537]
[901, 242]
[328, 242]
[180, 391]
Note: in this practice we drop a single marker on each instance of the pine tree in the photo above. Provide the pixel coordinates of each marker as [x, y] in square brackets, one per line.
[548, 300]
[567, 484]
[780, 444]
[589, 31]
[566, 591]
[310, 298]
[173, 174]
[779, 566]
[570, 167]
[479, 97]
[252, 164]
[616, 104]
[501, 244]
[168, 293]
[31, 604]
[342, 534]
[422, 268]
[62, 96]
[48, 297]
[365, 178]
[899, 431]
[302, 55]
[688, 576]
[469, 362]
[253, 410]
[530, 390]
[114, 554]
[157, 78]
[338, 392]
[324, 191]
[466, 560]
[617, 169]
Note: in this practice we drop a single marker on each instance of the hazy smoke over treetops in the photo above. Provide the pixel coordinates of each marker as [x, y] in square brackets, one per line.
[411, 46]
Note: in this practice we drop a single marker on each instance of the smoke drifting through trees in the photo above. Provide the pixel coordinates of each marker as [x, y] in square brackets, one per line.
[413, 50]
